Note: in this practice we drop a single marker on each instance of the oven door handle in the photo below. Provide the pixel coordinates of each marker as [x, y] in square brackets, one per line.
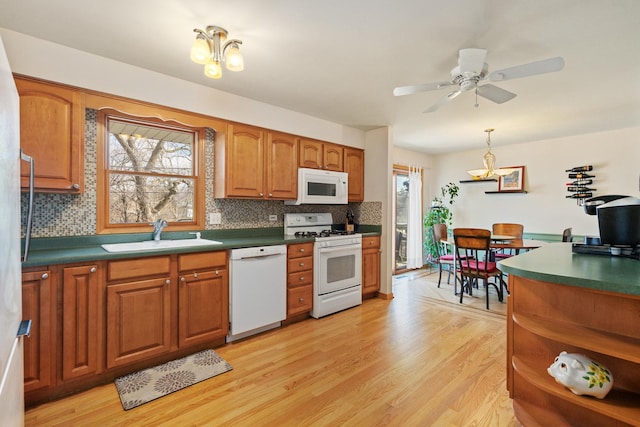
[339, 249]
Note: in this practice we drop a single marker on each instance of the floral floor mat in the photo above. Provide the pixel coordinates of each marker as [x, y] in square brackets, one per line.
[149, 384]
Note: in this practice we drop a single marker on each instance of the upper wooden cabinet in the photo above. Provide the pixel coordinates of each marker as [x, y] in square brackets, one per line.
[320, 155]
[52, 132]
[253, 163]
[354, 166]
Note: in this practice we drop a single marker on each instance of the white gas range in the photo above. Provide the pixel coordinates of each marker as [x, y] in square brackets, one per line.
[337, 261]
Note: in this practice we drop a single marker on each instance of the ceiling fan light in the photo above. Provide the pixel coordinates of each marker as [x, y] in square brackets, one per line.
[233, 58]
[480, 173]
[200, 52]
[213, 70]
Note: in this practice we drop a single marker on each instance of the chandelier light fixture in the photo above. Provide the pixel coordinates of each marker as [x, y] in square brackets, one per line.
[489, 160]
[210, 48]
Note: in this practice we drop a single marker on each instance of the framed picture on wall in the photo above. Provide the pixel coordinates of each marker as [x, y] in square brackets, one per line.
[513, 181]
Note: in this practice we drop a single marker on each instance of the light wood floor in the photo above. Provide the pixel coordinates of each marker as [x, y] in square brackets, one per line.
[410, 361]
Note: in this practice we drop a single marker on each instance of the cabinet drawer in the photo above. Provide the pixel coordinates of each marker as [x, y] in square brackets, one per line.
[300, 264]
[201, 261]
[299, 299]
[139, 267]
[300, 278]
[370, 242]
[300, 250]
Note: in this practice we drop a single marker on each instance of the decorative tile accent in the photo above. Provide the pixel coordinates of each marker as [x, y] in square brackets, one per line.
[62, 215]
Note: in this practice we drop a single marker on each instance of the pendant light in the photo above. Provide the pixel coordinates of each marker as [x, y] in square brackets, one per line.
[489, 161]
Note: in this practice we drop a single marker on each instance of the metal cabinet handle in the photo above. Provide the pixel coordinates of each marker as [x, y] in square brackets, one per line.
[75, 186]
[302, 264]
[301, 299]
[44, 276]
[195, 275]
[261, 194]
[270, 194]
[217, 273]
[183, 279]
[301, 250]
[301, 277]
[167, 282]
[93, 270]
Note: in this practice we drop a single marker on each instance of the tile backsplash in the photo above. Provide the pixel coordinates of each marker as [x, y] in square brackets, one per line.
[61, 215]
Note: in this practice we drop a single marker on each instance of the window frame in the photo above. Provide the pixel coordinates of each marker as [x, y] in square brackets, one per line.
[103, 226]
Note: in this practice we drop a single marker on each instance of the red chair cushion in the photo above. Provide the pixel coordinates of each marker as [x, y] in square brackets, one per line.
[450, 257]
[473, 264]
[501, 255]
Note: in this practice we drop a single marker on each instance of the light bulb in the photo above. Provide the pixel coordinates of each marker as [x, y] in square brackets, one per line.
[234, 59]
[200, 52]
[213, 70]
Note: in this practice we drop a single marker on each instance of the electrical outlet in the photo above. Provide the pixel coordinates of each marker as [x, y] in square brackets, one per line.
[273, 218]
[215, 218]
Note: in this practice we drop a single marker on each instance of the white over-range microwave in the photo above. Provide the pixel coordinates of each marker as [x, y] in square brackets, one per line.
[321, 187]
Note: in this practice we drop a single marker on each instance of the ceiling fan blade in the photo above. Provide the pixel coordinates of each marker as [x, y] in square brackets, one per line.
[540, 67]
[495, 94]
[471, 60]
[442, 101]
[408, 90]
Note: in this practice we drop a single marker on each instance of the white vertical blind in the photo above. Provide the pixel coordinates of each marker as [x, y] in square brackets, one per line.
[414, 219]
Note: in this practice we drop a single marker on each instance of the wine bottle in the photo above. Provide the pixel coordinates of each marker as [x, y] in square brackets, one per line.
[580, 196]
[580, 188]
[581, 182]
[580, 175]
[580, 169]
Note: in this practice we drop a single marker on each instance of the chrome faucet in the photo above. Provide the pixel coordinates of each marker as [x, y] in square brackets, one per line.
[157, 228]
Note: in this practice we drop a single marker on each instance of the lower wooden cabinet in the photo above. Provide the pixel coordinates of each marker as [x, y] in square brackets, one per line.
[36, 305]
[299, 278]
[81, 321]
[370, 265]
[203, 294]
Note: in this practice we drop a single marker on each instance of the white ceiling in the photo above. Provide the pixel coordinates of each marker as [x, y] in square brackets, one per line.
[339, 60]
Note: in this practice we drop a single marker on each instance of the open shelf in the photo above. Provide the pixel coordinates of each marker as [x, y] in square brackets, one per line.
[507, 192]
[468, 181]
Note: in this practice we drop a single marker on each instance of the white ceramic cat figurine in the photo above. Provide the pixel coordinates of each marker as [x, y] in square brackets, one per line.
[581, 375]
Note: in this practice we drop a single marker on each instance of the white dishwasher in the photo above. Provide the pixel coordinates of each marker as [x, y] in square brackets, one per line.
[257, 290]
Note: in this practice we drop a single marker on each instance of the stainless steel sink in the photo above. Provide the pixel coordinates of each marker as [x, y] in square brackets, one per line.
[151, 245]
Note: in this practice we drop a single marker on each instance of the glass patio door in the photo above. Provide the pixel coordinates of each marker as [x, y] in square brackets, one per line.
[400, 216]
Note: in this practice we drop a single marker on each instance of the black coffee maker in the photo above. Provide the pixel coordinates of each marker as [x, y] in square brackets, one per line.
[618, 219]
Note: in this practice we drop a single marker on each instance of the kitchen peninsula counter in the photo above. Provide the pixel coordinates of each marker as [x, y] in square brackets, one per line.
[579, 303]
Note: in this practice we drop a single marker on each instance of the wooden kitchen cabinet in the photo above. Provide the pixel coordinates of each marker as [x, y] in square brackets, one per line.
[37, 301]
[138, 309]
[370, 266]
[253, 163]
[203, 294]
[52, 132]
[316, 154]
[354, 166]
[299, 278]
[81, 321]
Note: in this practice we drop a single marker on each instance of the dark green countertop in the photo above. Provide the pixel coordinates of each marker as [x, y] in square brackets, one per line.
[555, 263]
[64, 250]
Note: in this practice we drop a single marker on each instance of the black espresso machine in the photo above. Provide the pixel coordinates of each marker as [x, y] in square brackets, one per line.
[619, 225]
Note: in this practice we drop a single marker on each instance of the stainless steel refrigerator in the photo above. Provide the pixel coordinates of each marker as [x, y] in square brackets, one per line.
[11, 346]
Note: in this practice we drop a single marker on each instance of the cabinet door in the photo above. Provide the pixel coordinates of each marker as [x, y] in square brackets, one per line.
[52, 132]
[138, 320]
[282, 166]
[354, 166]
[203, 313]
[370, 265]
[80, 321]
[245, 162]
[36, 305]
[311, 155]
[332, 157]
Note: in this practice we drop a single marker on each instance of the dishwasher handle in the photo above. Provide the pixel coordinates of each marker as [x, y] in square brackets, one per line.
[257, 256]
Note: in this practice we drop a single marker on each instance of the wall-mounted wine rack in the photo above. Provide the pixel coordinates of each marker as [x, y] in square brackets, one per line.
[580, 187]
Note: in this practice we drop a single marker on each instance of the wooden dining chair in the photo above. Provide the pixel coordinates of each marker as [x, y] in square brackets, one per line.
[567, 235]
[443, 257]
[474, 244]
[507, 229]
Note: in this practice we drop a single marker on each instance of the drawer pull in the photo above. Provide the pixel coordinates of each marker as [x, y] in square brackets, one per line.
[195, 275]
[167, 282]
[93, 270]
[301, 277]
[301, 299]
[44, 276]
[183, 279]
[302, 250]
[302, 264]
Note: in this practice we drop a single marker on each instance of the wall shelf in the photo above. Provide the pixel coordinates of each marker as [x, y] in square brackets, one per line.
[506, 192]
[468, 181]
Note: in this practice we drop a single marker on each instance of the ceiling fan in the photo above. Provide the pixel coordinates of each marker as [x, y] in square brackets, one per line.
[472, 69]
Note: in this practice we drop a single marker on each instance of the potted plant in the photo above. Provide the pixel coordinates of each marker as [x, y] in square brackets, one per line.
[440, 213]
